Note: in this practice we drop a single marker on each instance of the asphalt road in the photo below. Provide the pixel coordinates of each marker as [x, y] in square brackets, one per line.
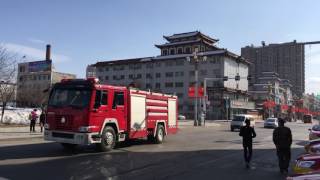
[194, 153]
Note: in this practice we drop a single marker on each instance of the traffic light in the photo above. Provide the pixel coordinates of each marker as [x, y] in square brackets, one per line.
[225, 78]
[237, 77]
[249, 77]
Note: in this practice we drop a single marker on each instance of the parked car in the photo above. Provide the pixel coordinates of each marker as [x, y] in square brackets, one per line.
[181, 117]
[239, 120]
[307, 163]
[314, 132]
[311, 176]
[271, 123]
[307, 118]
[313, 147]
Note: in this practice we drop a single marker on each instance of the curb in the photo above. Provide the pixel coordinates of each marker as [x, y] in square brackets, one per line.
[20, 138]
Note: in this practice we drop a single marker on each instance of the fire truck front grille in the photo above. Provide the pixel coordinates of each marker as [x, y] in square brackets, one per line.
[62, 135]
[64, 122]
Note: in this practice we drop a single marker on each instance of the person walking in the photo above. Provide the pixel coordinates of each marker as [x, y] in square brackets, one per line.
[282, 138]
[247, 132]
[33, 117]
[42, 120]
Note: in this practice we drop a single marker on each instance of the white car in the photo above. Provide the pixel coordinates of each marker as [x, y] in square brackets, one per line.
[181, 117]
[271, 123]
[239, 120]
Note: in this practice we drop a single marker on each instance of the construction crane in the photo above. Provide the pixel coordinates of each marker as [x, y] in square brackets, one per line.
[309, 43]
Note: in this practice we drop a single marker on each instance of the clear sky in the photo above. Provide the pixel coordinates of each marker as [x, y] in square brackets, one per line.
[84, 32]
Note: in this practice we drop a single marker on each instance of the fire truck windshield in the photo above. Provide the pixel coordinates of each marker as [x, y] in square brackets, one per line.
[76, 98]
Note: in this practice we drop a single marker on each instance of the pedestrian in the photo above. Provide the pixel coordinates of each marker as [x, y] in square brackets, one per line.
[282, 138]
[33, 118]
[247, 132]
[42, 120]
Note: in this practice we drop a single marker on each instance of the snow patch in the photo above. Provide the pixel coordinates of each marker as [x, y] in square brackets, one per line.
[17, 115]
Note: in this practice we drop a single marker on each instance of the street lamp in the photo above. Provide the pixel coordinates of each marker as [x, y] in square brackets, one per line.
[195, 60]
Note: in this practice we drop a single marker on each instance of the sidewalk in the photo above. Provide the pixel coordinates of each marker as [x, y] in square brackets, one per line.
[9, 132]
[209, 123]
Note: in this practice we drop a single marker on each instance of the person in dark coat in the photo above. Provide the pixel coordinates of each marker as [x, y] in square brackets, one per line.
[42, 120]
[247, 132]
[282, 138]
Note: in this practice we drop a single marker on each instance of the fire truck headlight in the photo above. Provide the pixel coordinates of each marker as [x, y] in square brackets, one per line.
[305, 164]
[84, 129]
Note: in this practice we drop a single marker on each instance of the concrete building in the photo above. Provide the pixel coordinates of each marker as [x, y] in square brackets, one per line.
[171, 72]
[271, 89]
[286, 59]
[34, 80]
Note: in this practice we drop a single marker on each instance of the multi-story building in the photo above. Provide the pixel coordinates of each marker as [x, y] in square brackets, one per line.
[35, 79]
[286, 59]
[172, 72]
[269, 88]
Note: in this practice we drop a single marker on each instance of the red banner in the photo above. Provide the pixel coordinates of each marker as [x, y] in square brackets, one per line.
[191, 92]
[269, 104]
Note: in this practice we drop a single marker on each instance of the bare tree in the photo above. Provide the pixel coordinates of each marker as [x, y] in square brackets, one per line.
[8, 71]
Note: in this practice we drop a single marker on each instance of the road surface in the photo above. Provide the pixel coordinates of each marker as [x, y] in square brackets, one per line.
[194, 153]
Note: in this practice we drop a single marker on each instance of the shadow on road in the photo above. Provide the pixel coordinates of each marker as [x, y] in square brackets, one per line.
[125, 164]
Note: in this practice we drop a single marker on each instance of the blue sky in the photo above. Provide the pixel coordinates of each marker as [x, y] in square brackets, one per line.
[84, 32]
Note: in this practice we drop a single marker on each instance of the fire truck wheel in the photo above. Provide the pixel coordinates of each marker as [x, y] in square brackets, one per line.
[160, 134]
[108, 139]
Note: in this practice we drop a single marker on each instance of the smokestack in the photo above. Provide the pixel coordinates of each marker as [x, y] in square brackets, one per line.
[48, 52]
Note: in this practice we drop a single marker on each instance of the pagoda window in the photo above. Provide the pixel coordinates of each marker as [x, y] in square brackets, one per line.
[180, 50]
[188, 50]
[164, 52]
[203, 48]
[172, 51]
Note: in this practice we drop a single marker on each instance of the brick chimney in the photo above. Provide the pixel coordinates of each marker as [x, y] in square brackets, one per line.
[48, 52]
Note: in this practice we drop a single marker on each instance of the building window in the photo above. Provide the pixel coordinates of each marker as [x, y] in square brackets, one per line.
[181, 73]
[22, 69]
[150, 65]
[106, 68]
[164, 52]
[139, 76]
[180, 62]
[169, 74]
[169, 63]
[21, 78]
[188, 50]
[148, 86]
[203, 72]
[216, 72]
[148, 76]
[169, 84]
[191, 73]
[172, 51]
[114, 78]
[122, 77]
[99, 77]
[180, 50]
[100, 69]
[158, 85]
[158, 64]
[106, 77]
[158, 75]
[179, 84]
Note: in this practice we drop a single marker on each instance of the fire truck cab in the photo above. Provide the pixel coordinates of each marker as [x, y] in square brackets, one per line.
[83, 112]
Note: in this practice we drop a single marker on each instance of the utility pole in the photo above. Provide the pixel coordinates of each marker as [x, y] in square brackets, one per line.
[196, 60]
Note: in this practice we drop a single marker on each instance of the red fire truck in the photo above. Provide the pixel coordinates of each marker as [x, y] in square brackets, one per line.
[83, 112]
